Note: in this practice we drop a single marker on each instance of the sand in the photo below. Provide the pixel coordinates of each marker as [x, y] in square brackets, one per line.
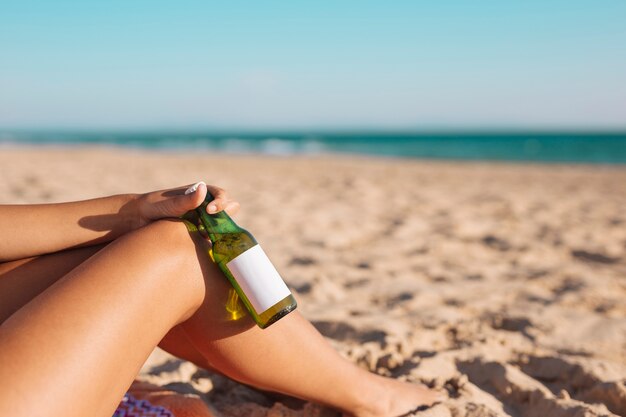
[504, 283]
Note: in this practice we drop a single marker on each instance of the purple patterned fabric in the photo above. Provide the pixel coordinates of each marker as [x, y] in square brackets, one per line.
[132, 407]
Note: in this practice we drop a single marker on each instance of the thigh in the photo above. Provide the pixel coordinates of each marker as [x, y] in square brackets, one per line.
[24, 279]
[78, 344]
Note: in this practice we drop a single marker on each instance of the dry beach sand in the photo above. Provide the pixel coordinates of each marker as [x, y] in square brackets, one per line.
[505, 284]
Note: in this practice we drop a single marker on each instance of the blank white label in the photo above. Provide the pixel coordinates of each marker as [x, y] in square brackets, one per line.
[258, 278]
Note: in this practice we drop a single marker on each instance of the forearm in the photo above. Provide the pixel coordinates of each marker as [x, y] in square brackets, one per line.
[31, 230]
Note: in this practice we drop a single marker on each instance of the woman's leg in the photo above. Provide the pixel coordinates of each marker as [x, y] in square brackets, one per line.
[76, 347]
[292, 357]
[289, 357]
[24, 279]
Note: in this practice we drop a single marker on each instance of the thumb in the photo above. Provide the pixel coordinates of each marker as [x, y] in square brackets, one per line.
[193, 197]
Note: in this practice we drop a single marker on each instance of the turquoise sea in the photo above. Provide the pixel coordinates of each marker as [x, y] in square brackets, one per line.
[552, 147]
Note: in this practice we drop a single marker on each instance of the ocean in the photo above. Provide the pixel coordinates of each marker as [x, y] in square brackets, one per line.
[552, 147]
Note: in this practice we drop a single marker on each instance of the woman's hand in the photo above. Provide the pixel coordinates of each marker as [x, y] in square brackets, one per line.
[99, 220]
[177, 201]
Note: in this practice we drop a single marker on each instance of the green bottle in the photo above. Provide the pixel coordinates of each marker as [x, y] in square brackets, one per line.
[247, 267]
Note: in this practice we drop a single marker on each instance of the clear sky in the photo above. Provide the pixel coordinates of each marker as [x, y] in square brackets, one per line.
[315, 64]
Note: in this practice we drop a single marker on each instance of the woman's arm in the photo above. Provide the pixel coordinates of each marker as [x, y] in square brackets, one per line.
[31, 230]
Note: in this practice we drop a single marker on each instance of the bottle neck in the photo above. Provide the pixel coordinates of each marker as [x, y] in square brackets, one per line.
[215, 224]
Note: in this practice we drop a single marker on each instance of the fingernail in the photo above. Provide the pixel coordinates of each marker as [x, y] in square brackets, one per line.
[193, 188]
[212, 208]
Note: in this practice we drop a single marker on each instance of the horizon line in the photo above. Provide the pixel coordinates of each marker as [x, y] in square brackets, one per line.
[319, 130]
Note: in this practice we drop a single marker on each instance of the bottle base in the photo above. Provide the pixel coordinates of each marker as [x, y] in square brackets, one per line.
[282, 313]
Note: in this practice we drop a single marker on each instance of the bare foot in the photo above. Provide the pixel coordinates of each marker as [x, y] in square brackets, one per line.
[394, 398]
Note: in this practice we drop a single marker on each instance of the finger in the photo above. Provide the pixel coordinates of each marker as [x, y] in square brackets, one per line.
[232, 207]
[220, 199]
[195, 198]
[192, 197]
[194, 187]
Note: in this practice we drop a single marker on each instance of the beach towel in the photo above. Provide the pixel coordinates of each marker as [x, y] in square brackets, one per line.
[132, 407]
[148, 400]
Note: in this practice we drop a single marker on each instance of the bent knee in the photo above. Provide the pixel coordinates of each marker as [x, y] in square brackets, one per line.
[171, 234]
[172, 238]
[176, 248]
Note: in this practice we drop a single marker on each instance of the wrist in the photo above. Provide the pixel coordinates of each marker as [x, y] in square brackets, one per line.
[132, 213]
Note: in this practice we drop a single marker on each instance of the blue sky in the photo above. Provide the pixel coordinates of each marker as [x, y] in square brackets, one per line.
[307, 65]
